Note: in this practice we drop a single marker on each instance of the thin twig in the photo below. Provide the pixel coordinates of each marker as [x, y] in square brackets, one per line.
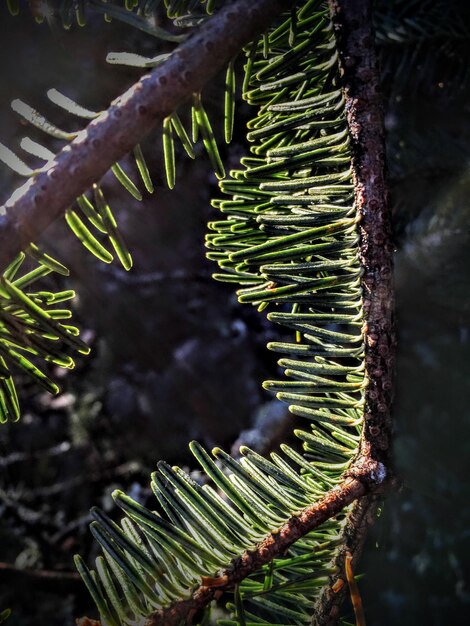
[361, 481]
[356, 599]
[31, 209]
[41, 580]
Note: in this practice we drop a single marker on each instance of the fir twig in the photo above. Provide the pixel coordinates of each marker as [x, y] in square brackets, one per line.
[130, 117]
[362, 479]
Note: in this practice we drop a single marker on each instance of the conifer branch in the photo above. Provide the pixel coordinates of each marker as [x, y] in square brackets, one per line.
[365, 477]
[351, 490]
[354, 487]
[274, 545]
[352, 21]
[33, 207]
[117, 130]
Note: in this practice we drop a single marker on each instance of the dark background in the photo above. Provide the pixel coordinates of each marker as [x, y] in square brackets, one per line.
[176, 358]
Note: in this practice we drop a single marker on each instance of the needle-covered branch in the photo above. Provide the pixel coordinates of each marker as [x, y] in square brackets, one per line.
[33, 207]
[362, 479]
[274, 545]
[352, 22]
[121, 127]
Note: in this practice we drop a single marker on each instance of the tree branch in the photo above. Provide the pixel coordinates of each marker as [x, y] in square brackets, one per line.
[33, 207]
[359, 520]
[352, 22]
[49, 581]
[123, 125]
[360, 481]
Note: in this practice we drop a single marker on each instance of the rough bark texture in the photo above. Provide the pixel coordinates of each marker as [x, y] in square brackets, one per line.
[129, 118]
[352, 22]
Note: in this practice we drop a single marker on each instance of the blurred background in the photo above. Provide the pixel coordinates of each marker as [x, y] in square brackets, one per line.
[175, 357]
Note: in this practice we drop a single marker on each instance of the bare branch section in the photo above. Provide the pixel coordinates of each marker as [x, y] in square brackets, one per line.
[41, 580]
[31, 209]
[360, 518]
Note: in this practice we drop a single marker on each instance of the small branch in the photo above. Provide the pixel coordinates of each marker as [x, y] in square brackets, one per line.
[31, 209]
[352, 21]
[359, 520]
[41, 580]
[363, 479]
[359, 482]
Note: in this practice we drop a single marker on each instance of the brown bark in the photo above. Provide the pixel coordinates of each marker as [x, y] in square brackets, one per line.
[352, 21]
[130, 117]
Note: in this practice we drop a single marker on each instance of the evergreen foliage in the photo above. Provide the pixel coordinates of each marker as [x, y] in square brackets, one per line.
[289, 238]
